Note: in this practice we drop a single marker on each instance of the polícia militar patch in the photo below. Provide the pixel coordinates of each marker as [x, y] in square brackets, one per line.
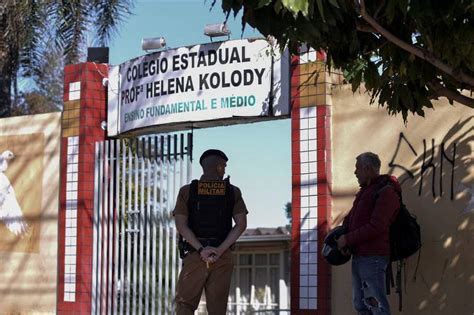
[211, 188]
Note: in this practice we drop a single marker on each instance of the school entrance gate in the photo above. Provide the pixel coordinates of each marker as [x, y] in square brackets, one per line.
[117, 242]
[135, 263]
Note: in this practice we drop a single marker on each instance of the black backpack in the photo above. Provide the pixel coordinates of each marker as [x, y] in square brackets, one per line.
[405, 233]
[405, 240]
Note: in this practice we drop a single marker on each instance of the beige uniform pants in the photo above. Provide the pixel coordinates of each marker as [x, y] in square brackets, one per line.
[195, 276]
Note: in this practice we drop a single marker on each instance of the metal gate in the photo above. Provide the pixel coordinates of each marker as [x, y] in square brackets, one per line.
[135, 261]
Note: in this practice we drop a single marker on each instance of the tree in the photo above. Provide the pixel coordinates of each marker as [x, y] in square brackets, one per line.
[288, 213]
[26, 26]
[46, 93]
[407, 52]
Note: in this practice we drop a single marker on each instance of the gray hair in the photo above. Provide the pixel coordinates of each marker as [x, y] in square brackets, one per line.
[370, 159]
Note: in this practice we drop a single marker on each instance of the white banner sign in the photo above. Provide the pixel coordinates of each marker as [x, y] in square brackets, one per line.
[211, 82]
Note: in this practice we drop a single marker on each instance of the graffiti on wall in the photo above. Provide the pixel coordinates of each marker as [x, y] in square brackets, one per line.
[442, 163]
[440, 168]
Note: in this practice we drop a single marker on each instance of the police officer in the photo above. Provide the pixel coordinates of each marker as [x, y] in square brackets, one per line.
[203, 213]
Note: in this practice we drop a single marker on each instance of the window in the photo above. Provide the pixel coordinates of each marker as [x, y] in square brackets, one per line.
[256, 283]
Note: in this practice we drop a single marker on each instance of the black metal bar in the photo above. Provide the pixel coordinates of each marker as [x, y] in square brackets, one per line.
[169, 148]
[190, 146]
[137, 145]
[156, 147]
[162, 148]
[182, 145]
[149, 148]
[175, 146]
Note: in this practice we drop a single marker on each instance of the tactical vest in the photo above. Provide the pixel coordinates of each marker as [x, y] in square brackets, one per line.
[210, 206]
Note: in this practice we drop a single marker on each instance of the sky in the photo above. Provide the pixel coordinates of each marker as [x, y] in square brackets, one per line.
[259, 153]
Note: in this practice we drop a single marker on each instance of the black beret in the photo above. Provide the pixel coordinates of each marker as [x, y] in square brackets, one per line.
[210, 152]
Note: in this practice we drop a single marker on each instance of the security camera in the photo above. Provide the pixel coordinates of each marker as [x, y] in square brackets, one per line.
[153, 43]
[216, 30]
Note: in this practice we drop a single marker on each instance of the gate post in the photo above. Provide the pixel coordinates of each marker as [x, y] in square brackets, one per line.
[311, 183]
[85, 108]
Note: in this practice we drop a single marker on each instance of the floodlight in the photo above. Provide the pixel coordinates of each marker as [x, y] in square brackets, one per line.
[153, 43]
[216, 30]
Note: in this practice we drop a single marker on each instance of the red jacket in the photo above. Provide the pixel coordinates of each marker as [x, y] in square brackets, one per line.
[369, 220]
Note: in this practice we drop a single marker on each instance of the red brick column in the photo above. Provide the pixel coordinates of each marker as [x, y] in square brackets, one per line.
[85, 107]
[311, 182]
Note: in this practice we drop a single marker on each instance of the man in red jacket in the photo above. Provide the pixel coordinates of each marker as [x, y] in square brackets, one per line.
[367, 238]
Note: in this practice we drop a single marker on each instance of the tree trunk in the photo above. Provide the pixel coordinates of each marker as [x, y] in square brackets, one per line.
[5, 91]
[5, 72]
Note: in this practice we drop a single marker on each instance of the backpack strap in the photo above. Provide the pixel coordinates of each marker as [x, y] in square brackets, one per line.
[385, 186]
[389, 283]
[417, 265]
[386, 183]
[382, 188]
[399, 283]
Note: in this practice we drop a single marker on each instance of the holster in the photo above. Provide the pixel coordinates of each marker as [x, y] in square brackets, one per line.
[184, 248]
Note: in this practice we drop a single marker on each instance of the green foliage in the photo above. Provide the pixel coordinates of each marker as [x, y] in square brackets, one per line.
[406, 52]
[45, 95]
[26, 28]
[296, 6]
[288, 211]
